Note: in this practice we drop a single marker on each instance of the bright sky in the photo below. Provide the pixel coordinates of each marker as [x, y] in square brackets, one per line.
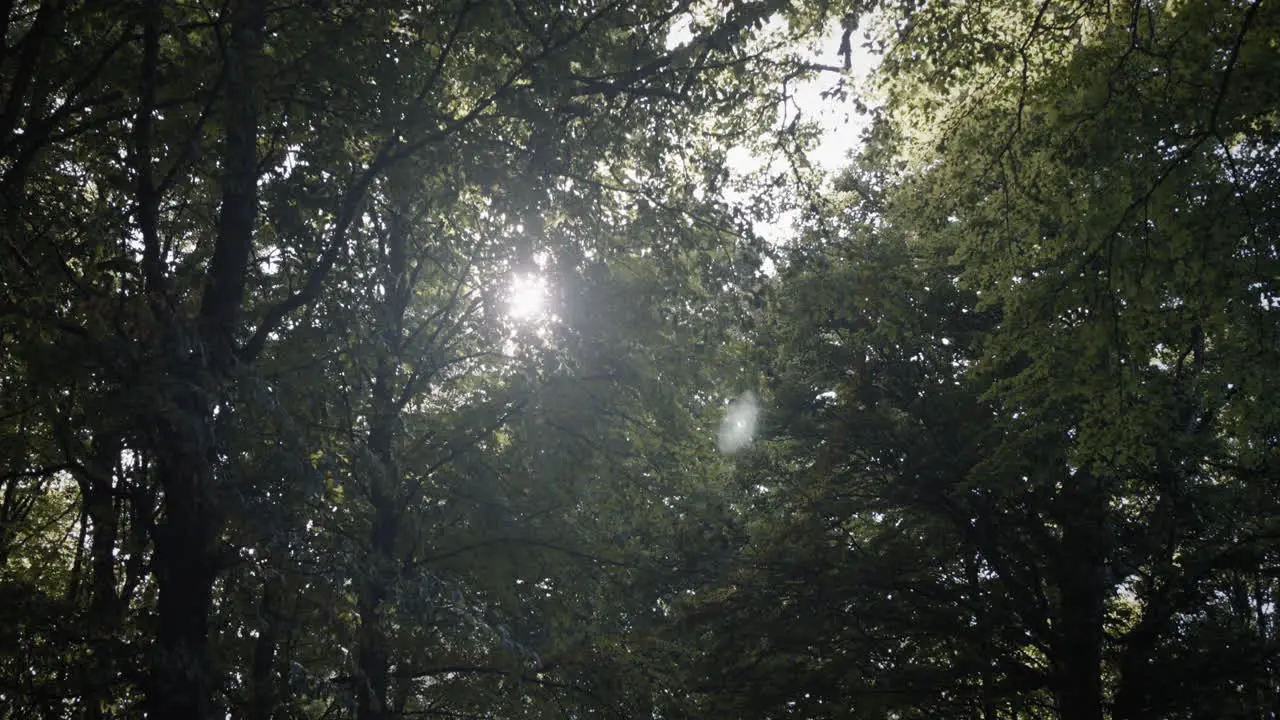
[841, 125]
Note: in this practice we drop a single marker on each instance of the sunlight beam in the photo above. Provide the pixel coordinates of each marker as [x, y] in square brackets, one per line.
[527, 297]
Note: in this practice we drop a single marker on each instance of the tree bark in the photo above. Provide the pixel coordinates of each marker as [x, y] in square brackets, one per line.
[104, 617]
[1079, 636]
[185, 566]
[1137, 686]
[374, 655]
[97, 472]
[262, 700]
[373, 696]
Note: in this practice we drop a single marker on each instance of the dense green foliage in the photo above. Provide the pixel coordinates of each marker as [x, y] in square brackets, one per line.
[1025, 451]
[275, 444]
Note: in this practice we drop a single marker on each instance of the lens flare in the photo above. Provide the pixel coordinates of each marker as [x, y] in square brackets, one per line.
[738, 427]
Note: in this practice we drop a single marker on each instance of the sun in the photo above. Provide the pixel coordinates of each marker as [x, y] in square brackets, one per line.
[527, 296]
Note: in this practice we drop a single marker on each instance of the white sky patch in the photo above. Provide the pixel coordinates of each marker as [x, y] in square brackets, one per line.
[680, 33]
[738, 428]
[841, 124]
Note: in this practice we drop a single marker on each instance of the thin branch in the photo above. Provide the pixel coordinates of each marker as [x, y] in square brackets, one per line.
[148, 199]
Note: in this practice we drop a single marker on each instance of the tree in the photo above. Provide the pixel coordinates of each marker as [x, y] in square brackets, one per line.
[1108, 219]
[1096, 183]
[237, 264]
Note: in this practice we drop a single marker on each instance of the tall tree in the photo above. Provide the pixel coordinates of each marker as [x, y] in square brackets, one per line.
[199, 197]
[1099, 182]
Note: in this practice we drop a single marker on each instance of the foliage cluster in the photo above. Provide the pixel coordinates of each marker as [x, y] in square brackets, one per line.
[273, 446]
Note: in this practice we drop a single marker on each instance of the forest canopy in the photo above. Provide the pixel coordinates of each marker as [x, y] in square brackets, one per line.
[386, 360]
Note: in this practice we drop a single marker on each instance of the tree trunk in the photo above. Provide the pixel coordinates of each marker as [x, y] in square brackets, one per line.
[1079, 635]
[104, 618]
[375, 657]
[1137, 686]
[374, 660]
[262, 685]
[201, 367]
[382, 569]
[97, 473]
[185, 565]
